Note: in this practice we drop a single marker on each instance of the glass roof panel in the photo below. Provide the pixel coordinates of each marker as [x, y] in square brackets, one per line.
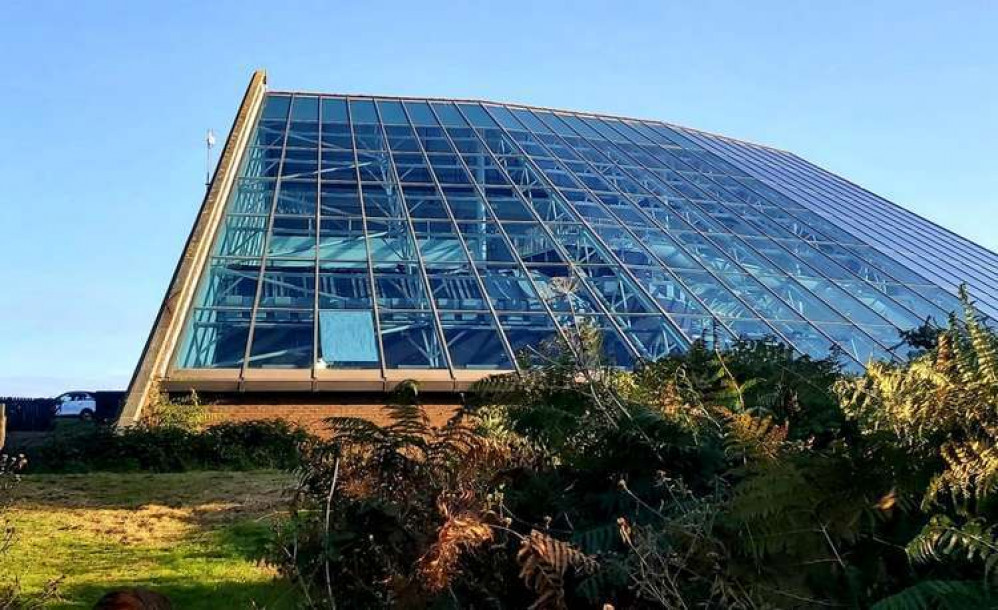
[429, 234]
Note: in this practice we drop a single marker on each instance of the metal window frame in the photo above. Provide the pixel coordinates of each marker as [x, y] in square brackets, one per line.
[760, 163]
[752, 249]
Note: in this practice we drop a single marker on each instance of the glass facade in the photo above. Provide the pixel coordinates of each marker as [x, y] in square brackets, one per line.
[940, 257]
[384, 233]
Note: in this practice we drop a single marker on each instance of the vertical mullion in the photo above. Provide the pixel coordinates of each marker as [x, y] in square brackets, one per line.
[682, 246]
[571, 263]
[711, 241]
[676, 277]
[929, 270]
[829, 184]
[694, 229]
[415, 244]
[457, 230]
[318, 234]
[824, 256]
[813, 189]
[707, 268]
[596, 236]
[787, 232]
[777, 181]
[792, 255]
[266, 240]
[777, 178]
[630, 232]
[367, 240]
[480, 189]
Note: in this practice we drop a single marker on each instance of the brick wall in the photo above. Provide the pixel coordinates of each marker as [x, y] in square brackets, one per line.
[311, 410]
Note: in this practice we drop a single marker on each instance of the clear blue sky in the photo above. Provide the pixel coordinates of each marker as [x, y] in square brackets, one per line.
[105, 106]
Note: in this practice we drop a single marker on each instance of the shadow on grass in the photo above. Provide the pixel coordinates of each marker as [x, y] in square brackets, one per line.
[192, 574]
[108, 531]
[188, 595]
[246, 540]
[246, 491]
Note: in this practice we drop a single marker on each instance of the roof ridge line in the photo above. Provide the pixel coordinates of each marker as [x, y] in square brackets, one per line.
[529, 107]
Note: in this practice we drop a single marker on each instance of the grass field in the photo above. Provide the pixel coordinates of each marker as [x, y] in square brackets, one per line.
[195, 537]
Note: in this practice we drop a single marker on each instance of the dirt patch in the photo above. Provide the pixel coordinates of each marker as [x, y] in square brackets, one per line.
[152, 509]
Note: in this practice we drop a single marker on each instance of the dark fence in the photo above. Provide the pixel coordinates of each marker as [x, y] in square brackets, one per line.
[108, 405]
[29, 413]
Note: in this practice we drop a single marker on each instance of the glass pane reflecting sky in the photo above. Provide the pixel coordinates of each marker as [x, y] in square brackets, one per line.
[428, 234]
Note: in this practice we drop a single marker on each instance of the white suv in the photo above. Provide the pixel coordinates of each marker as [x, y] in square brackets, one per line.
[76, 404]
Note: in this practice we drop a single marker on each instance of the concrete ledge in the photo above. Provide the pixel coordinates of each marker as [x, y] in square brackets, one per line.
[154, 362]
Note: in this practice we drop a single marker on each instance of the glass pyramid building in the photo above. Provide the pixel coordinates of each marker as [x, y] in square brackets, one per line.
[349, 241]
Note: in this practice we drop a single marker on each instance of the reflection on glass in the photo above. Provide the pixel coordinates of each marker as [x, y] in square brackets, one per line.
[362, 232]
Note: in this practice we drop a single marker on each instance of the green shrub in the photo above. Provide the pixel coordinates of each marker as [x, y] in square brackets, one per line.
[225, 446]
[165, 411]
[743, 478]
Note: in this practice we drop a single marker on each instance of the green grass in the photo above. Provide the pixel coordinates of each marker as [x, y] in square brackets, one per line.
[195, 537]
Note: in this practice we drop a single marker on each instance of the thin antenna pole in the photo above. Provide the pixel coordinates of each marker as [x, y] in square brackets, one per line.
[209, 142]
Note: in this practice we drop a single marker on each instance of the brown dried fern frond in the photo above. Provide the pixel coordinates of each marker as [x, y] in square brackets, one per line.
[544, 561]
[460, 533]
[752, 437]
